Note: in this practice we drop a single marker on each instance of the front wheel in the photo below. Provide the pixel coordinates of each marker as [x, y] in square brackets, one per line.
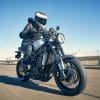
[76, 79]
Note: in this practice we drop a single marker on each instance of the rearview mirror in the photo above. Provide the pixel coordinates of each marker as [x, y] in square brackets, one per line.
[58, 28]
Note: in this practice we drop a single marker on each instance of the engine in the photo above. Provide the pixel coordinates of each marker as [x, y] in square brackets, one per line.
[40, 71]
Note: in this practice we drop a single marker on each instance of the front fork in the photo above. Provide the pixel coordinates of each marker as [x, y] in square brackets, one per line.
[61, 68]
[60, 63]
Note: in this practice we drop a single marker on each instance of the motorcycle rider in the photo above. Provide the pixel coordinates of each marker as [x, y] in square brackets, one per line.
[31, 33]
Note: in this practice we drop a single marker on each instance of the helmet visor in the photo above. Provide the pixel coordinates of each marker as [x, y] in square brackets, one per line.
[43, 21]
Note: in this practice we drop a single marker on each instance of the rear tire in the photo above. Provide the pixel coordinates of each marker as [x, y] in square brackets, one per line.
[81, 75]
[23, 78]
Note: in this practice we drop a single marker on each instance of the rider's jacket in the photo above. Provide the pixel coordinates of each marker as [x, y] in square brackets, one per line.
[31, 31]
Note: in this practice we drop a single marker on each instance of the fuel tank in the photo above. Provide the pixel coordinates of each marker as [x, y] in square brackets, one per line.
[38, 43]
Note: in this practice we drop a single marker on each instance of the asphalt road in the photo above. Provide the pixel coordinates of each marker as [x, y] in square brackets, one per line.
[12, 89]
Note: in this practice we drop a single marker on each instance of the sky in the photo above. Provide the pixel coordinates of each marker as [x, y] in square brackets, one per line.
[79, 20]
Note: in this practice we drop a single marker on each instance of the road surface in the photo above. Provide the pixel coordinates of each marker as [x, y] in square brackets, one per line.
[12, 89]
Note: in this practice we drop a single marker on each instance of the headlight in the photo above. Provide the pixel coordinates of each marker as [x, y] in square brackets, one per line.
[60, 37]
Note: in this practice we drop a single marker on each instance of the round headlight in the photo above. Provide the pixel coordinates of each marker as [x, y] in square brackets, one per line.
[61, 37]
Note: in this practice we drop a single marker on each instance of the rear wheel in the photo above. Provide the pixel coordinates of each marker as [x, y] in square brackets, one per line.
[76, 79]
[22, 71]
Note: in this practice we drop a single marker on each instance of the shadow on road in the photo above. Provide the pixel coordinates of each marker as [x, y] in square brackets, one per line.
[88, 94]
[30, 85]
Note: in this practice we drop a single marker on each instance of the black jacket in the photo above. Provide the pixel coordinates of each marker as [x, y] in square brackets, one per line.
[31, 30]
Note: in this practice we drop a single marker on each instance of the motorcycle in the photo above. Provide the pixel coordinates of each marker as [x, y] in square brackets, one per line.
[50, 61]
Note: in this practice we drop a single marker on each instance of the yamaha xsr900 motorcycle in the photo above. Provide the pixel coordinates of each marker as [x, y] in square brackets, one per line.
[49, 60]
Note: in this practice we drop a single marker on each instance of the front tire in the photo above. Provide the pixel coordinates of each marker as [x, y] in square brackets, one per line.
[76, 74]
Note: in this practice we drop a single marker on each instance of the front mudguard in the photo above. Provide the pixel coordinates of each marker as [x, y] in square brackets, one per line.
[68, 57]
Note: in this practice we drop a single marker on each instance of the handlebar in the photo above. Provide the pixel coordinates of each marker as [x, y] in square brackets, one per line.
[46, 34]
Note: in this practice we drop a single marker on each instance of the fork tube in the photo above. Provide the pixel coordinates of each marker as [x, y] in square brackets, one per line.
[60, 64]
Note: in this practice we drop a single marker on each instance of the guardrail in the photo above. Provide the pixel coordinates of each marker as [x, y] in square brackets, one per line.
[8, 62]
[86, 59]
[90, 58]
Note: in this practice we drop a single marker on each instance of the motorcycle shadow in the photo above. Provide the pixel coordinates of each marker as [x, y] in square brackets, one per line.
[29, 85]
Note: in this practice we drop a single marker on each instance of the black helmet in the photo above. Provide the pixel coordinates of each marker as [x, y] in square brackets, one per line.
[41, 18]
